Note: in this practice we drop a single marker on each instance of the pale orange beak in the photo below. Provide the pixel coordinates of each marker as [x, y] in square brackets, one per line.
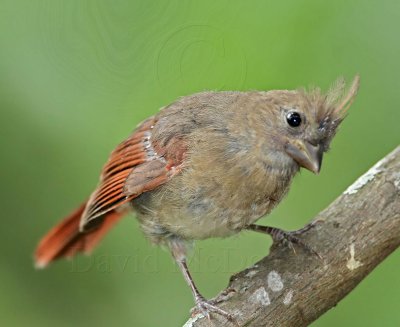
[305, 154]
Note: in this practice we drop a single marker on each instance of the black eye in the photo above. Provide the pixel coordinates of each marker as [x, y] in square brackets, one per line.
[293, 119]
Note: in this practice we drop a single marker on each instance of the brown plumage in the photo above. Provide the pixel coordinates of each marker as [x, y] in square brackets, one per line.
[208, 165]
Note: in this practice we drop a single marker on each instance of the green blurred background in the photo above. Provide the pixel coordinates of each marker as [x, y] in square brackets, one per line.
[77, 76]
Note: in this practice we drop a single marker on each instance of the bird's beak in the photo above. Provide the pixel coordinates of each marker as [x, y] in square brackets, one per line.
[305, 154]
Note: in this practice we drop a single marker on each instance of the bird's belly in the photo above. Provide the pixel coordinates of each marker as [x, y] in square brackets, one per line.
[197, 216]
[217, 222]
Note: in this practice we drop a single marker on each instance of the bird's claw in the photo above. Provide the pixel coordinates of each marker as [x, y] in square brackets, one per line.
[291, 238]
[206, 307]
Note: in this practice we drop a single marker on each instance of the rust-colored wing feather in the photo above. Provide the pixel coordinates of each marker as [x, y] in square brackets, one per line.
[134, 160]
[137, 165]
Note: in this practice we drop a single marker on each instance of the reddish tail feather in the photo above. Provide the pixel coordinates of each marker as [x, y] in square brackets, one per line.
[65, 239]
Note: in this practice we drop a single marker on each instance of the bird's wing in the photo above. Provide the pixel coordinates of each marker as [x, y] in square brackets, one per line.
[137, 165]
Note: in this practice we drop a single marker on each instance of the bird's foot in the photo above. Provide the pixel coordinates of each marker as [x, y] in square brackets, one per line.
[291, 237]
[206, 307]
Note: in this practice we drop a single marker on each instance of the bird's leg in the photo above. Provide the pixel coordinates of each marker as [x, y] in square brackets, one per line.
[290, 237]
[203, 306]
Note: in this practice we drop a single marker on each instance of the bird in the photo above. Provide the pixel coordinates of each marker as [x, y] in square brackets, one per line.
[207, 165]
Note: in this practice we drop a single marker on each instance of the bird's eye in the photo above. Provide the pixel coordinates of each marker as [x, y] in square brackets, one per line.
[293, 119]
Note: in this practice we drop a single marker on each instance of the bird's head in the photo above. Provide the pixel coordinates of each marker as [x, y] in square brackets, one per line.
[307, 121]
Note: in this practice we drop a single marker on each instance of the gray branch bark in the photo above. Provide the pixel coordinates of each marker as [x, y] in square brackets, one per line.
[355, 234]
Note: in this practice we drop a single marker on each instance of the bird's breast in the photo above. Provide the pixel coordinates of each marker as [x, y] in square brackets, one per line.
[199, 205]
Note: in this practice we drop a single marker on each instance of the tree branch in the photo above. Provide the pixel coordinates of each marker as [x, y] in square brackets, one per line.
[356, 233]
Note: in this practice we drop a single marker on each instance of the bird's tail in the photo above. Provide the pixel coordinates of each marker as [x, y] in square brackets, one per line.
[65, 239]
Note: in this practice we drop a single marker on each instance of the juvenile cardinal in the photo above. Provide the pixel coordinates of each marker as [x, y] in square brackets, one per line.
[208, 165]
